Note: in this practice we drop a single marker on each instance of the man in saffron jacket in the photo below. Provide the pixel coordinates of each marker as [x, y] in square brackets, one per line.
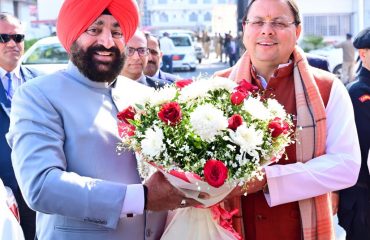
[292, 201]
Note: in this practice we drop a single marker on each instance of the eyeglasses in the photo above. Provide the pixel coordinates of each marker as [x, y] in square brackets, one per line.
[153, 52]
[278, 25]
[97, 31]
[142, 51]
[4, 38]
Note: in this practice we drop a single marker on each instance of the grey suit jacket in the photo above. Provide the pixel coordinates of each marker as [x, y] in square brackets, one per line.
[63, 133]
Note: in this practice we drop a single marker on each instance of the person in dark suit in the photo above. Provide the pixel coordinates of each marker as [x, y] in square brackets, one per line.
[354, 204]
[137, 54]
[152, 69]
[12, 75]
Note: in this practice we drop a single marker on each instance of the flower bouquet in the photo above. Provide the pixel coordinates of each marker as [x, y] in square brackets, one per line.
[206, 135]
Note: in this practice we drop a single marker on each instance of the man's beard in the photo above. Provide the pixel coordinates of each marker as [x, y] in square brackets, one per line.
[90, 68]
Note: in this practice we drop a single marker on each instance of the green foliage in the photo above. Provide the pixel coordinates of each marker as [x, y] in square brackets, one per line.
[311, 42]
[29, 43]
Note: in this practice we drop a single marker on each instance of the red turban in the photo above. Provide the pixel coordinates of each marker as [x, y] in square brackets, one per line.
[76, 16]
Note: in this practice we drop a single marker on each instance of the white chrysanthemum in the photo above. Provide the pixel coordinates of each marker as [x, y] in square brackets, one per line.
[221, 83]
[199, 88]
[164, 95]
[144, 97]
[255, 107]
[208, 122]
[248, 138]
[275, 108]
[194, 90]
[152, 144]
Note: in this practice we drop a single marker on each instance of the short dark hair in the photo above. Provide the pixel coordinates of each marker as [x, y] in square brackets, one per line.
[291, 3]
[148, 35]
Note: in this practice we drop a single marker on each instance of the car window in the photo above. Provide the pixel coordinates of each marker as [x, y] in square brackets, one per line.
[48, 54]
[181, 41]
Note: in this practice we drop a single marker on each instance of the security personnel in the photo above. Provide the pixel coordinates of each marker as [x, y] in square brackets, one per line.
[354, 204]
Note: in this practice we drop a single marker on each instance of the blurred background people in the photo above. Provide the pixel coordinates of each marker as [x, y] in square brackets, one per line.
[152, 68]
[137, 56]
[168, 49]
[206, 43]
[12, 75]
[348, 59]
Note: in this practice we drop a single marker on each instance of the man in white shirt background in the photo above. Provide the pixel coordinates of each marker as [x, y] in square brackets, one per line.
[167, 48]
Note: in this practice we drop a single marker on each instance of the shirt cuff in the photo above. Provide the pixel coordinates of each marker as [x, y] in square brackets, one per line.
[134, 200]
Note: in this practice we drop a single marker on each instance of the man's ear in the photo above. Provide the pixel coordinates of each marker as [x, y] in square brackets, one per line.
[298, 30]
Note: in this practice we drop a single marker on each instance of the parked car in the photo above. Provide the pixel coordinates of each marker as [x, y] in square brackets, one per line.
[199, 52]
[184, 57]
[46, 55]
[334, 57]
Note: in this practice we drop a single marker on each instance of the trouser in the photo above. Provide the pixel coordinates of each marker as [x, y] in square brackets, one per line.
[353, 213]
[167, 63]
[347, 72]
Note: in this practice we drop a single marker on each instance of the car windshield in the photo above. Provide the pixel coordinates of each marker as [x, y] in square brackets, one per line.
[181, 41]
[48, 54]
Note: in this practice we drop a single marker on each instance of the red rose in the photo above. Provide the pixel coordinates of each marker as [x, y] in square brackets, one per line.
[125, 129]
[125, 114]
[245, 87]
[182, 83]
[235, 121]
[238, 97]
[277, 127]
[170, 113]
[215, 173]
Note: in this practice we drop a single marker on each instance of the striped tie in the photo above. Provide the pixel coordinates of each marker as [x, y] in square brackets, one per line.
[9, 89]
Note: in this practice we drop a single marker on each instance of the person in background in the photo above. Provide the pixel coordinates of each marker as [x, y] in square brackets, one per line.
[233, 51]
[206, 43]
[354, 209]
[12, 75]
[168, 49]
[152, 69]
[348, 63]
[293, 201]
[64, 134]
[137, 54]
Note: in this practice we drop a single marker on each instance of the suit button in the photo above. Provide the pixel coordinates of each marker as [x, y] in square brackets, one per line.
[148, 232]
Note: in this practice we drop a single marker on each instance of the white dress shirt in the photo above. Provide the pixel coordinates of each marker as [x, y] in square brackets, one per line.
[330, 172]
[16, 79]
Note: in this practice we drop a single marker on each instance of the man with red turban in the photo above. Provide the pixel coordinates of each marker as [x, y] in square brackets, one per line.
[64, 135]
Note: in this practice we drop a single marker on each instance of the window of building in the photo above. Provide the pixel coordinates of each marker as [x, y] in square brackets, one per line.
[207, 17]
[221, 1]
[207, 1]
[193, 1]
[327, 25]
[193, 17]
[163, 17]
[162, 1]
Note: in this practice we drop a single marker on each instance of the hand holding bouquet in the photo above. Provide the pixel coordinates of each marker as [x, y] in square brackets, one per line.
[207, 135]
